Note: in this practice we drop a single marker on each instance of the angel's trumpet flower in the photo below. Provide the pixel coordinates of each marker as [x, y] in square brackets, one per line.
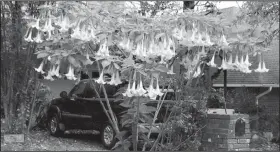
[70, 75]
[197, 72]
[157, 91]
[140, 90]
[77, 34]
[199, 40]
[46, 26]
[224, 41]
[212, 62]
[259, 69]
[236, 63]
[151, 91]
[128, 91]
[264, 69]
[117, 79]
[56, 73]
[208, 41]
[247, 63]
[49, 35]
[112, 82]
[36, 25]
[38, 38]
[101, 79]
[224, 64]
[52, 70]
[50, 27]
[88, 61]
[133, 88]
[64, 24]
[49, 58]
[49, 76]
[229, 62]
[171, 71]
[203, 53]
[29, 37]
[40, 68]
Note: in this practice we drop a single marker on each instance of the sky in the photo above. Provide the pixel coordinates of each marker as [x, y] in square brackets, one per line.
[226, 4]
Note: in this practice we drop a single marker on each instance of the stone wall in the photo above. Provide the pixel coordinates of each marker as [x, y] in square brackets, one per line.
[220, 133]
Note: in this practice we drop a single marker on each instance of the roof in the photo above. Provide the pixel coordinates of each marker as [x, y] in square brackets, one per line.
[271, 78]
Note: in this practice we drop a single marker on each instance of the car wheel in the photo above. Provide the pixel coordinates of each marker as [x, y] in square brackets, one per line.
[53, 126]
[108, 136]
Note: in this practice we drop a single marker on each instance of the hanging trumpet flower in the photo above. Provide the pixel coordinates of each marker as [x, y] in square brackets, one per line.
[157, 91]
[49, 76]
[261, 68]
[70, 75]
[56, 73]
[151, 91]
[212, 62]
[247, 63]
[140, 90]
[40, 68]
[171, 71]
[101, 78]
[128, 90]
[38, 38]
[29, 37]
[236, 63]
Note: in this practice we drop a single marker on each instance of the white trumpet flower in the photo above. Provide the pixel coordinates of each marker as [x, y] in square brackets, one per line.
[157, 91]
[208, 41]
[49, 76]
[259, 69]
[52, 70]
[70, 75]
[36, 25]
[38, 38]
[101, 79]
[247, 63]
[171, 71]
[224, 64]
[117, 78]
[112, 82]
[56, 73]
[151, 91]
[212, 62]
[264, 69]
[40, 68]
[88, 61]
[49, 58]
[29, 37]
[133, 88]
[224, 41]
[229, 63]
[128, 91]
[140, 90]
[236, 63]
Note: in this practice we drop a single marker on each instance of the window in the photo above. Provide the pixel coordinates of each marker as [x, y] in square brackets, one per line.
[78, 89]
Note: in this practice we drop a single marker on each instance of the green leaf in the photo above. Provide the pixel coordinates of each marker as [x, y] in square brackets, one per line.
[126, 104]
[73, 61]
[161, 68]
[139, 38]
[42, 55]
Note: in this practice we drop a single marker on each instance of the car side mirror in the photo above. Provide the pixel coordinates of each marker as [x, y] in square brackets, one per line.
[63, 94]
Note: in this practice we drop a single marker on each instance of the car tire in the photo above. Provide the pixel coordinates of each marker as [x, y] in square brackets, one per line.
[53, 126]
[108, 136]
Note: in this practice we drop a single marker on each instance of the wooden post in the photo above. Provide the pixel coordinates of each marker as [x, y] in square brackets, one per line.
[225, 89]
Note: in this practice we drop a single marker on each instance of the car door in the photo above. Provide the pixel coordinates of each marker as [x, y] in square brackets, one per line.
[73, 111]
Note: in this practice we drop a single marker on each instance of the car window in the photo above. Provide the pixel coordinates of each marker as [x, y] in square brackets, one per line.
[89, 91]
[78, 89]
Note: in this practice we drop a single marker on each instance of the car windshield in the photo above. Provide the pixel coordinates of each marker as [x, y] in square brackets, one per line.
[78, 89]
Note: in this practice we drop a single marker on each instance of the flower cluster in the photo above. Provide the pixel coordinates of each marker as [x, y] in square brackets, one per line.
[192, 37]
[150, 48]
[115, 78]
[241, 65]
[151, 92]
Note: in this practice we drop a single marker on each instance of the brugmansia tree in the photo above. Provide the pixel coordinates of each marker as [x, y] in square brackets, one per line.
[127, 45]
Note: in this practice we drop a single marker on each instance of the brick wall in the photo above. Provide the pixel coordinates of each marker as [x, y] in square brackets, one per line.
[219, 133]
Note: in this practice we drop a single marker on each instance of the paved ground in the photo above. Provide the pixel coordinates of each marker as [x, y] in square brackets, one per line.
[42, 141]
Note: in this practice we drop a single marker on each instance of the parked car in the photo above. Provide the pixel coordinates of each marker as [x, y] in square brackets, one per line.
[81, 109]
